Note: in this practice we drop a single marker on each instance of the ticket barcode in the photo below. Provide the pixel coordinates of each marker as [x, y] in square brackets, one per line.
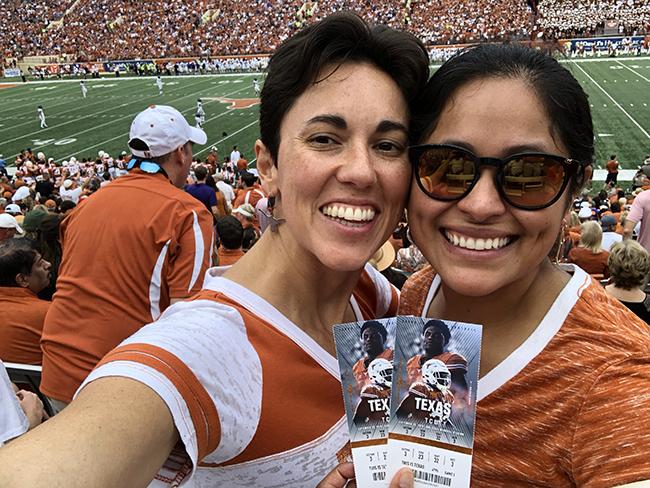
[380, 476]
[431, 477]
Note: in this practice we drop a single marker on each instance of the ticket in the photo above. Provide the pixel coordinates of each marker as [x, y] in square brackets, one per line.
[433, 401]
[365, 354]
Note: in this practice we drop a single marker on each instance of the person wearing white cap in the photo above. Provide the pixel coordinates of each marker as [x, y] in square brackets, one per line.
[8, 227]
[166, 239]
[13, 209]
[70, 191]
[20, 194]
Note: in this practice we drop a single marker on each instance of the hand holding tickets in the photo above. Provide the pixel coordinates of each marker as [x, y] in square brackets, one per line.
[343, 476]
[409, 389]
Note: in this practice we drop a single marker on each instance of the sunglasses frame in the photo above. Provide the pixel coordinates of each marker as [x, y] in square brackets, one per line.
[571, 167]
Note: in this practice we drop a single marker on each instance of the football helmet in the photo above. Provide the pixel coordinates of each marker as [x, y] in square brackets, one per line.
[380, 372]
[435, 373]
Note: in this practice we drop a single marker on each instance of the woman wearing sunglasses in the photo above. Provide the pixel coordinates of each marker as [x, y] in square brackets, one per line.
[506, 143]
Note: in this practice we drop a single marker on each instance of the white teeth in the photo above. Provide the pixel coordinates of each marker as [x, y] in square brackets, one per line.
[352, 214]
[477, 244]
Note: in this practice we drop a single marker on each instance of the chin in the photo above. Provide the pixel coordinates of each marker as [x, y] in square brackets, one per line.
[472, 284]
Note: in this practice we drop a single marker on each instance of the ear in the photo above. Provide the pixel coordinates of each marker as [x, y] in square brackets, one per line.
[266, 168]
[22, 280]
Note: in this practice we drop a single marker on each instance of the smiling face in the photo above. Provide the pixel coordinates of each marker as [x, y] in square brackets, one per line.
[479, 244]
[342, 172]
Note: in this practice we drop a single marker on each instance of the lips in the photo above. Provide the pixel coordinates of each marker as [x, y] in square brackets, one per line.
[477, 243]
[349, 213]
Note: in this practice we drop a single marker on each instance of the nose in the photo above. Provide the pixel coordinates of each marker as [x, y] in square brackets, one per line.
[357, 166]
[484, 201]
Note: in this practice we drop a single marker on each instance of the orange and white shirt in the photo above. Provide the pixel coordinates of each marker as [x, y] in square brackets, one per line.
[570, 406]
[256, 401]
[128, 251]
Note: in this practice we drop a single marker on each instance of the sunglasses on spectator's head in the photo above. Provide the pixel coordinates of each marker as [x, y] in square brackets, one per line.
[528, 181]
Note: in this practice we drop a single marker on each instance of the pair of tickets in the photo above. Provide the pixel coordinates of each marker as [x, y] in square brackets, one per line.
[409, 389]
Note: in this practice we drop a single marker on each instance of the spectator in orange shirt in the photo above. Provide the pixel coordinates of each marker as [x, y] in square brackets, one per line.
[23, 274]
[612, 171]
[589, 254]
[231, 234]
[250, 191]
[242, 164]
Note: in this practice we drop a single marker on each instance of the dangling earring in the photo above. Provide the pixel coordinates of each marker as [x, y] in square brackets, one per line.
[270, 207]
[561, 243]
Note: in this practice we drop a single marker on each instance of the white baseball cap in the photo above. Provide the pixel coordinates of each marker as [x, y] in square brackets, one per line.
[12, 208]
[162, 128]
[9, 222]
[22, 192]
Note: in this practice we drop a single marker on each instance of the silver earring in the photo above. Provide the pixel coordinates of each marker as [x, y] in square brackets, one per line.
[274, 221]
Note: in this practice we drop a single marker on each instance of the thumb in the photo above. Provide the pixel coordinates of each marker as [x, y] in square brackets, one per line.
[403, 479]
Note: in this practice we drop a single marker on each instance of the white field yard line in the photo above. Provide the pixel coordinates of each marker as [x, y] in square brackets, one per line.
[131, 114]
[645, 132]
[80, 151]
[633, 71]
[7, 106]
[94, 101]
[209, 144]
[85, 107]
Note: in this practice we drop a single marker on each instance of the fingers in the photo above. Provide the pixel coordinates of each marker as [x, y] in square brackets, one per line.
[338, 477]
[403, 479]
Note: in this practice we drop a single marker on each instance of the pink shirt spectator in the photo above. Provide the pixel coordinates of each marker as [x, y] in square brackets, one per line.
[641, 207]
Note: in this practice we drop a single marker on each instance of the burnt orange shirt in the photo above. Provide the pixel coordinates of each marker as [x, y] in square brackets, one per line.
[570, 406]
[591, 262]
[21, 323]
[228, 257]
[612, 166]
[127, 251]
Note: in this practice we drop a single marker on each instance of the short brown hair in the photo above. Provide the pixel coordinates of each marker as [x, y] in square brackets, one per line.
[629, 264]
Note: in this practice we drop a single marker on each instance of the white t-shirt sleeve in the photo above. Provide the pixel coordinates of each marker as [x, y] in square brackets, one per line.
[13, 422]
[198, 359]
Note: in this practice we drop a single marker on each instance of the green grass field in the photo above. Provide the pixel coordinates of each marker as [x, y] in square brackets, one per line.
[619, 91]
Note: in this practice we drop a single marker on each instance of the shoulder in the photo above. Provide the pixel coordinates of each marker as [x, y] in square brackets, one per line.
[610, 324]
[420, 389]
[415, 290]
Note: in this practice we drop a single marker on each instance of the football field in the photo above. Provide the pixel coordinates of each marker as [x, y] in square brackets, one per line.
[619, 93]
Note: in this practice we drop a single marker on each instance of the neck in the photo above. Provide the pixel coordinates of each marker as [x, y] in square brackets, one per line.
[300, 287]
[635, 295]
[508, 315]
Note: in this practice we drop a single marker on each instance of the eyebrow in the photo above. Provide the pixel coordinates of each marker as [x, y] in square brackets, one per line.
[390, 125]
[335, 120]
[339, 122]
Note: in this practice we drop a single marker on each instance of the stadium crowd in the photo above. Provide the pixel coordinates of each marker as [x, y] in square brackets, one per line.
[559, 19]
[118, 30]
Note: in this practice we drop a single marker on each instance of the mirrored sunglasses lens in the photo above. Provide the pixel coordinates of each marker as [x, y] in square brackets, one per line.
[533, 181]
[445, 173]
